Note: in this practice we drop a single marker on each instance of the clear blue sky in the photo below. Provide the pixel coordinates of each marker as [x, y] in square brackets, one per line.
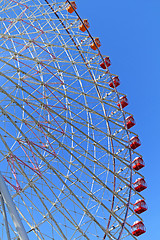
[129, 33]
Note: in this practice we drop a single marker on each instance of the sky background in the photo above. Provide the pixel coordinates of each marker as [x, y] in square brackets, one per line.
[129, 33]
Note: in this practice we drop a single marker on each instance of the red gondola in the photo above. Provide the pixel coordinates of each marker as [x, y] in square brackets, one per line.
[138, 163]
[71, 9]
[138, 228]
[124, 101]
[135, 142]
[107, 61]
[140, 184]
[140, 206]
[130, 122]
[114, 80]
[82, 27]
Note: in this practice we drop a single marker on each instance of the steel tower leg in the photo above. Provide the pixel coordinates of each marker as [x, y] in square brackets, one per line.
[12, 210]
[5, 217]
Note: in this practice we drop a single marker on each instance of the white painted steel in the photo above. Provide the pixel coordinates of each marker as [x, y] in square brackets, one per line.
[5, 217]
[64, 147]
[12, 210]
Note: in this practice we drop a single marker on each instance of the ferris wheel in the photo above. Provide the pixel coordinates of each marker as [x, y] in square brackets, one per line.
[68, 157]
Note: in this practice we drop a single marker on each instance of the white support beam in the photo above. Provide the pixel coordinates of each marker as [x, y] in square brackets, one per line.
[5, 217]
[12, 210]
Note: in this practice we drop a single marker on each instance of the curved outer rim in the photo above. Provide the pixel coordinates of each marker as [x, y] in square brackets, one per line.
[127, 132]
[111, 141]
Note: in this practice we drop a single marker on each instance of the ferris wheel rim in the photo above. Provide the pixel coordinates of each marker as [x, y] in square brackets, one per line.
[131, 182]
[109, 128]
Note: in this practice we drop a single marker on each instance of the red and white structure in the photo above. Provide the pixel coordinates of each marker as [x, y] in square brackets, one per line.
[138, 163]
[69, 159]
[140, 206]
[138, 228]
[140, 184]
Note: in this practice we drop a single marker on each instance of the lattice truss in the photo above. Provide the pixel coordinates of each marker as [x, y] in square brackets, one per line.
[64, 148]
